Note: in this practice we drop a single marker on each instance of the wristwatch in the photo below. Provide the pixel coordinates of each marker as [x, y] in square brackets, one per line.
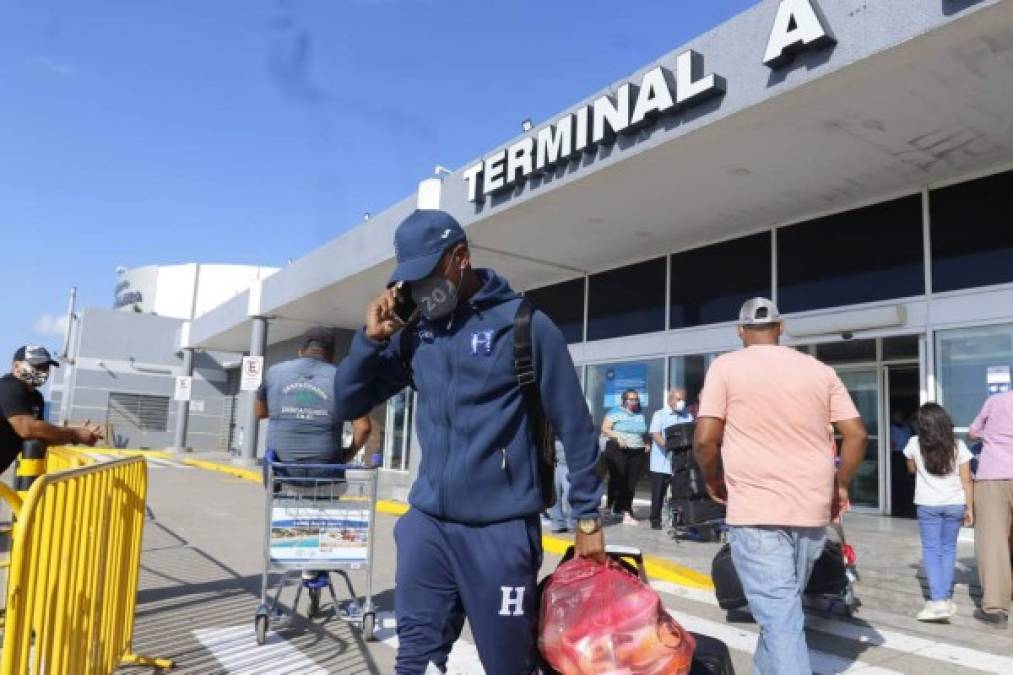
[589, 525]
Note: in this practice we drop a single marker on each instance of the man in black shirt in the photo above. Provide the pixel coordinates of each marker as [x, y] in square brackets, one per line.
[21, 407]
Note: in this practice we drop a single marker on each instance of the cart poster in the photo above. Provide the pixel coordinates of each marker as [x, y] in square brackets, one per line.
[299, 534]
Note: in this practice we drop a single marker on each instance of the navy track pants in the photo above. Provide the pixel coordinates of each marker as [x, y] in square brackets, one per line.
[448, 571]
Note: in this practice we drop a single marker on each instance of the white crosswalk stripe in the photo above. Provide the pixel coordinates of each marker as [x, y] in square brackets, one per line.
[236, 649]
[953, 655]
[464, 658]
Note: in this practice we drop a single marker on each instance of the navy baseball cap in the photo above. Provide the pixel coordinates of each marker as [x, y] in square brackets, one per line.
[35, 355]
[421, 240]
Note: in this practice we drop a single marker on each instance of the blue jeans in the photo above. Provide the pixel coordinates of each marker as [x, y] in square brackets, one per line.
[940, 526]
[559, 513]
[774, 564]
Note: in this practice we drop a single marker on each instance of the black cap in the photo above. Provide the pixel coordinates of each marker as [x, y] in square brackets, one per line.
[35, 355]
[319, 336]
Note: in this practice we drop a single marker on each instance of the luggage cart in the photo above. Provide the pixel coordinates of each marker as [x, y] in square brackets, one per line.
[319, 522]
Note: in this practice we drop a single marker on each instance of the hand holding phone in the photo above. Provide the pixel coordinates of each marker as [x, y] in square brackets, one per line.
[404, 306]
[382, 319]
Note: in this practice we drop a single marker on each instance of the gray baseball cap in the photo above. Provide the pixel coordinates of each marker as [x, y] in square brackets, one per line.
[758, 312]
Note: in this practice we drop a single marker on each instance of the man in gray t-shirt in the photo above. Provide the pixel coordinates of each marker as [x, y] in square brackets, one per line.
[298, 398]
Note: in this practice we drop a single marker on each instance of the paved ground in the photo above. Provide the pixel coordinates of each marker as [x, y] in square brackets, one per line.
[201, 578]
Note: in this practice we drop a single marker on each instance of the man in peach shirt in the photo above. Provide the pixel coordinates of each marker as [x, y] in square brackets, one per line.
[762, 445]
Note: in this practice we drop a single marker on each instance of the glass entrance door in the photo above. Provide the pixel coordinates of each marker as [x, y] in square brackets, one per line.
[863, 383]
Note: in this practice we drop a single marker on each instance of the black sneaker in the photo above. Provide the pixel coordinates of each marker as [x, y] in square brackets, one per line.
[994, 619]
[655, 526]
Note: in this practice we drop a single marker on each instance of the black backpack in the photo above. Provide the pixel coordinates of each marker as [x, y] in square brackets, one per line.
[527, 380]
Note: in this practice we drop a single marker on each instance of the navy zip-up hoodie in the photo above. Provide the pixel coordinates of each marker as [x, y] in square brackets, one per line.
[479, 463]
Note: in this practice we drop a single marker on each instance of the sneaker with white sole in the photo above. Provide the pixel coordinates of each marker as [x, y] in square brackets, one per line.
[951, 607]
[935, 610]
[628, 519]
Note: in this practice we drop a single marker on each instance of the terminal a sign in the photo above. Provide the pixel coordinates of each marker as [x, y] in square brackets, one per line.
[798, 26]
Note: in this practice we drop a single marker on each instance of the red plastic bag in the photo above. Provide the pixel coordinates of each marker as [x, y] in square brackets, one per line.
[598, 619]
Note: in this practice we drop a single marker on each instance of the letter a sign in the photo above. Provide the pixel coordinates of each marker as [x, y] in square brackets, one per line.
[799, 25]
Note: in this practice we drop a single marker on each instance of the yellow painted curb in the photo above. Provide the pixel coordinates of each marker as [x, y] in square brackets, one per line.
[238, 472]
[391, 508]
[120, 452]
[657, 568]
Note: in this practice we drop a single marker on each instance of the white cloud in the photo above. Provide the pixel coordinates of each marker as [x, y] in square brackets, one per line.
[51, 66]
[48, 324]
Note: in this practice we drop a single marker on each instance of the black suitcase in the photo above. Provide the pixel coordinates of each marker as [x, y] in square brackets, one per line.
[829, 576]
[711, 657]
[698, 511]
[727, 586]
[679, 436]
[687, 479]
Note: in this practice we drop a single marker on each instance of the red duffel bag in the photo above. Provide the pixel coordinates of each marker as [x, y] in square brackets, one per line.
[597, 619]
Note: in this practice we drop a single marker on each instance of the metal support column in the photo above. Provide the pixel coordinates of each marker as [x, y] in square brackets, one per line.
[258, 343]
[183, 407]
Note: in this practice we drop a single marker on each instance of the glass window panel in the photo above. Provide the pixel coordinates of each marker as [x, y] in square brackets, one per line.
[963, 359]
[900, 347]
[863, 385]
[606, 382]
[564, 303]
[627, 301]
[972, 235]
[864, 255]
[689, 372]
[701, 296]
[848, 351]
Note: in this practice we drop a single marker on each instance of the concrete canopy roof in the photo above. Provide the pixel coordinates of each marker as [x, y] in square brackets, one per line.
[879, 114]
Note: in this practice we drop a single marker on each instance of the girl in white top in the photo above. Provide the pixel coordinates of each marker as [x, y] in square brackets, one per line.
[943, 494]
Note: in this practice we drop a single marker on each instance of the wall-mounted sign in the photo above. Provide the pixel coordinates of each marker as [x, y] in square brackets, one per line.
[998, 379]
[622, 377]
[583, 130]
[184, 387]
[252, 373]
[799, 25]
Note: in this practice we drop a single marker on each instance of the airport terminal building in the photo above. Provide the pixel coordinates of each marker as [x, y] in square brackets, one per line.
[852, 159]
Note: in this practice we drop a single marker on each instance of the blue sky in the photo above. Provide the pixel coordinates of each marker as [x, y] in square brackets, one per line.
[252, 131]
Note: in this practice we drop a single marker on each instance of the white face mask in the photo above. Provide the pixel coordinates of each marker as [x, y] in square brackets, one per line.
[680, 405]
[30, 375]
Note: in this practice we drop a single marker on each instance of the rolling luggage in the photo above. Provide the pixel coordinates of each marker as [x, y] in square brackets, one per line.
[687, 479]
[727, 586]
[679, 436]
[830, 577]
[693, 512]
[711, 657]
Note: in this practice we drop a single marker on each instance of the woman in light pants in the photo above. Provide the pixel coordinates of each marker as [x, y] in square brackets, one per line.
[944, 497]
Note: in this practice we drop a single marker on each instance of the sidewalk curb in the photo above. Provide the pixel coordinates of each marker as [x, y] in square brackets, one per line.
[658, 569]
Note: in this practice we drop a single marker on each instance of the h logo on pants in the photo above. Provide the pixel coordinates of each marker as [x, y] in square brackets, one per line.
[513, 598]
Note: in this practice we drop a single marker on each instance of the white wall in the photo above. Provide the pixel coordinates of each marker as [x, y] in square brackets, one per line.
[169, 290]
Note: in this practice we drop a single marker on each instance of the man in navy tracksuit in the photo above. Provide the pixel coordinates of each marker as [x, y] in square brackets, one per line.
[471, 543]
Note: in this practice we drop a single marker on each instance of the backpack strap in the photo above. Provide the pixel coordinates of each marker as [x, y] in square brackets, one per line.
[524, 360]
[527, 380]
[406, 350]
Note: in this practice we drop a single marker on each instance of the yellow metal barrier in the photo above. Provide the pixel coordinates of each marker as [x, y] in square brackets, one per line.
[74, 570]
[59, 458]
